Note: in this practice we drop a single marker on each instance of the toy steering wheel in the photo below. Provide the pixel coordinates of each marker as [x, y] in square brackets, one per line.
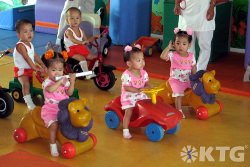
[153, 91]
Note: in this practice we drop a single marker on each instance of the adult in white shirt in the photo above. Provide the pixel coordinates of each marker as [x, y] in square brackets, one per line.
[198, 15]
[86, 6]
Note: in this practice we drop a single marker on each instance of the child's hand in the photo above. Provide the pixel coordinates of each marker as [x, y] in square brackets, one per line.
[72, 77]
[37, 69]
[40, 69]
[43, 70]
[170, 45]
[85, 42]
[63, 80]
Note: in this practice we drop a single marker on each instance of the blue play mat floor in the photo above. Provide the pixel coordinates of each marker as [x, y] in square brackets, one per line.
[8, 39]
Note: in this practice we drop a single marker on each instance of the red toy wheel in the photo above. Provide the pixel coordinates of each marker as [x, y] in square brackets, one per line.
[93, 137]
[220, 104]
[68, 150]
[20, 135]
[201, 113]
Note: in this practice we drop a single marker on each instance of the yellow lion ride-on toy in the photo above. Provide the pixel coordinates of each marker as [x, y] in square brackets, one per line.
[202, 96]
[74, 122]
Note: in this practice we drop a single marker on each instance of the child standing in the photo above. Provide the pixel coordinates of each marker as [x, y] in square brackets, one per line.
[75, 39]
[133, 80]
[25, 58]
[183, 64]
[54, 91]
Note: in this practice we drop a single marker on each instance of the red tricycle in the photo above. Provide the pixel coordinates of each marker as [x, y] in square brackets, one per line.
[105, 78]
[157, 116]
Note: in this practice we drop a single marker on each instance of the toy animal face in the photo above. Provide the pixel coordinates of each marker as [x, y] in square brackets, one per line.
[211, 85]
[79, 116]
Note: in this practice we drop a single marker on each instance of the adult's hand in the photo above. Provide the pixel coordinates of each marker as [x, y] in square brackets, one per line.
[177, 9]
[210, 12]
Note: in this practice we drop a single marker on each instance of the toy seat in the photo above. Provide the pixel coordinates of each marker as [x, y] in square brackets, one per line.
[36, 116]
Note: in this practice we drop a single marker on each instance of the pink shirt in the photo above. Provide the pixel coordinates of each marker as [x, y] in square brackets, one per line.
[128, 99]
[50, 108]
[181, 66]
[56, 96]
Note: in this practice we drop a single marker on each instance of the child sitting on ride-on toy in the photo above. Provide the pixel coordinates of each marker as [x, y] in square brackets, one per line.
[134, 79]
[54, 91]
[75, 40]
[25, 58]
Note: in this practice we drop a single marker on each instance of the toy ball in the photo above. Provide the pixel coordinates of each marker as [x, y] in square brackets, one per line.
[68, 150]
[20, 135]
[201, 113]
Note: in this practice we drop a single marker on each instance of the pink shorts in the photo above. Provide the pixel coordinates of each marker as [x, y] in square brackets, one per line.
[49, 113]
[78, 49]
[178, 87]
[23, 72]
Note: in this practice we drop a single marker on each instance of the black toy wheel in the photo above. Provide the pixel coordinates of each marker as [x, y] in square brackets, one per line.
[105, 80]
[6, 105]
[38, 100]
[109, 40]
[105, 50]
[159, 46]
[148, 51]
[17, 95]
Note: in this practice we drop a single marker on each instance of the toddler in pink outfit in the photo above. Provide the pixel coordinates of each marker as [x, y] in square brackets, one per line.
[133, 80]
[183, 64]
[54, 91]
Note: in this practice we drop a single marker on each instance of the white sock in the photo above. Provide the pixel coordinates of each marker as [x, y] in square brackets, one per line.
[53, 150]
[84, 65]
[29, 102]
[183, 116]
[126, 134]
[95, 65]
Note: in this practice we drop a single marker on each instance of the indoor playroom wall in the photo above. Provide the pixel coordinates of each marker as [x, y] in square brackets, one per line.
[13, 10]
[9, 4]
[238, 28]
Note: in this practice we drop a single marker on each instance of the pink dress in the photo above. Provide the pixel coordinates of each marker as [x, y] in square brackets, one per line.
[50, 108]
[180, 71]
[128, 99]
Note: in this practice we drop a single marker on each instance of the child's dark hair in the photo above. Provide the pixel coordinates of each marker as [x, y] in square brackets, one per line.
[73, 9]
[20, 23]
[181, 33]
[57, 57]
[127, 54]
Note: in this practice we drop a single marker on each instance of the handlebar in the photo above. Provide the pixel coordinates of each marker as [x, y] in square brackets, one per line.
[81, 74]
[153, 91]
[95, 42]
[6, 52]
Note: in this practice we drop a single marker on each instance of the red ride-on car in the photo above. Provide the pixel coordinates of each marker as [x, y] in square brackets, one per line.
[156, 116]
